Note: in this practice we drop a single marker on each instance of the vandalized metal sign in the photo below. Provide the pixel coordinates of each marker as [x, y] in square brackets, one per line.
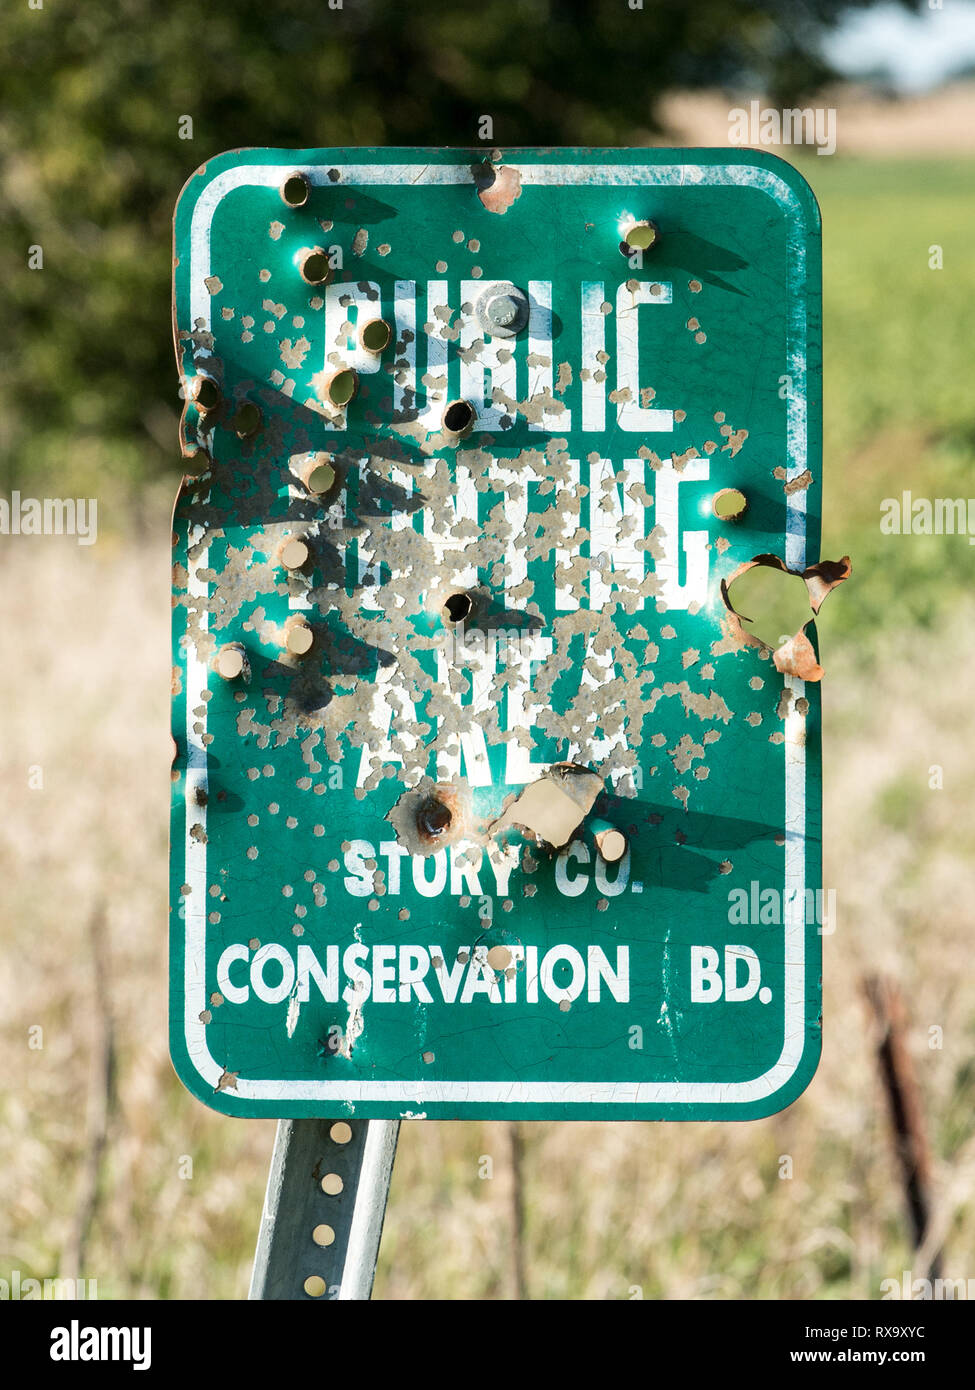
[485, 800]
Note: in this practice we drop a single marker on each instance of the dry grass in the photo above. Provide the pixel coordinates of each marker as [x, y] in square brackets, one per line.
[672, 1210]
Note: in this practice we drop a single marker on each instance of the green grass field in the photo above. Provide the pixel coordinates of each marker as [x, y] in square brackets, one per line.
[611, 1211]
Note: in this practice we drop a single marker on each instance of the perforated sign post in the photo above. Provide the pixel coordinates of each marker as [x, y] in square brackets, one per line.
[485, 801]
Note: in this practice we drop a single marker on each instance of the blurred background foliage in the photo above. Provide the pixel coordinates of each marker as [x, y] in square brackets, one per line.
[91, 157]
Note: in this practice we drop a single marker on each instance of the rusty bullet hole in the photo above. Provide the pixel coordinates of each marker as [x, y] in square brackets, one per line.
[341, 386]
[294, 191]
[497, 186]
[433, 818]
[314, 267]
[206, 393]
[729, 504]
[375, 335]
[458, 607]
[639, 236]
[247, 420]
[458, 417]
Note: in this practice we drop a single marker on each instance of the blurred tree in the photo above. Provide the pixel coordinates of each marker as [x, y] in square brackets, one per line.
[93, 159]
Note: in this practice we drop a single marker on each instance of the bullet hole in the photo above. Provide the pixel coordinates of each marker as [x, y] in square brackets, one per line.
[294, 191]
[315, 267]
[342, 386]
[206, 393]
[433, 818]
[499, 958]
[457, 607]
[375, 335]
[230, 662]
[294, 554]
[320, 477]
[458, 417]
[247, 420]
[639, 236]
[729, 504]
[299, 639]
[428, 1057]
[611, 844]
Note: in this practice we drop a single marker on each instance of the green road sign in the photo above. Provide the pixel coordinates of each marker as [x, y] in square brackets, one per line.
[485, 801]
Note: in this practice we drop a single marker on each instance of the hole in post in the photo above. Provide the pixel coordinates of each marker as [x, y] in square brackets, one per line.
[323, 1234]
[332, 1184]
[457, 607]
[375, 335]
[340, 1133]
[458, 417]
[729, 504]
[314, 267]
[295, 190]
[314, 1286]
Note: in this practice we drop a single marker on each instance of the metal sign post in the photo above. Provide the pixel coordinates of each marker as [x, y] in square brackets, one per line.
[486, 800]
[324, 1209]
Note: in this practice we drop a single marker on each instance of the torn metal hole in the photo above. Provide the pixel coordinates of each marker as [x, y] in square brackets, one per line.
[375, 335]
[458, 417]
[729, 504]
[639, 236]
[314, 266]
[796, 655]
[551, 809]
[294, 191]
[458, 607]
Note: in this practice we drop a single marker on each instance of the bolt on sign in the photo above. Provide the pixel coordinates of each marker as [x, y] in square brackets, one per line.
[485, 799]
